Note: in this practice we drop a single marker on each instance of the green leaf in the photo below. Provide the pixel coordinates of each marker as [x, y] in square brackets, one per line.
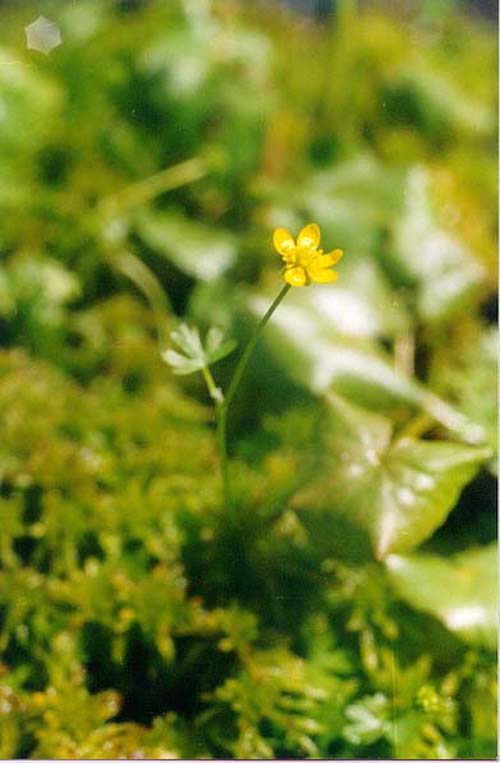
[323, 337]
[180, 364]
[349, 201]
[398, 493]
[444, 105]
[194, 248]
[194, 356]
[446, 274]
[188, 339]
[469, 377]
[216, 347]
[461, 592]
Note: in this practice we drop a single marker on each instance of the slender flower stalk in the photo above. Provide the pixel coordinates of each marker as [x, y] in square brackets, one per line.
[214, 391]
[222, 408]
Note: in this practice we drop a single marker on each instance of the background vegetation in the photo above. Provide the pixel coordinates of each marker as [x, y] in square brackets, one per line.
[348, 609]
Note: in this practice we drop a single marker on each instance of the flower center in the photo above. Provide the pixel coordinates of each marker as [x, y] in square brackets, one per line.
[304, 256]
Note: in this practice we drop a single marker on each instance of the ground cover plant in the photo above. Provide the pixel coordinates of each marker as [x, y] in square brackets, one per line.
[335, 596]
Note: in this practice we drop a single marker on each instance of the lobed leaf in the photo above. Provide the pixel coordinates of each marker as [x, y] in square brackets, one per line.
[398, 493]
[195, 249]
[195, 357]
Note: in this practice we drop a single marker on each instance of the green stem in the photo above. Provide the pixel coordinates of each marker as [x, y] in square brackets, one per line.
[145, 280]
[394, 705]
[221, 413]
[243, 361]
[223, 407]
[217, 396]
[140, 193]
[214, 391]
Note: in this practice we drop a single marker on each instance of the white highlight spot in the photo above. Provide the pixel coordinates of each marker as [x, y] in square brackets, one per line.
[424, 482]
[406, 496]
[42, 35]
[466, 617]
[372, 457]
[355, 470]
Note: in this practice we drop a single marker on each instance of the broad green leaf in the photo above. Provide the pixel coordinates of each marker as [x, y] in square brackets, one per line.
[194, 248]
[422, 483]
[446, 274]
[321, 350]
[325, 338]
[349, 201]
[397, 493]
[360, 305]
[444, 105]
[461, 591]
[469, 377]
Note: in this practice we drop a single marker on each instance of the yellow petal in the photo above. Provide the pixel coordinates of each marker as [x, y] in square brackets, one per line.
[283, 241]
[323, 261]
[323, 275]
[295, 276]
[333, 258]
[309, 236]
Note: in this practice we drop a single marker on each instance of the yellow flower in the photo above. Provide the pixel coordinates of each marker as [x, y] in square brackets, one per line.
[304, 262]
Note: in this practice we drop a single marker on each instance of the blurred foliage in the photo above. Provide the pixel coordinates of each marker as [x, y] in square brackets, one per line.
[348, 609]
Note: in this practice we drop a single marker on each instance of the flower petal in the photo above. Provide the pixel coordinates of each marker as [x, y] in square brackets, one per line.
[295, 276]
[333, 258]
[323, 275]
[283, 241]
[309, 236]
